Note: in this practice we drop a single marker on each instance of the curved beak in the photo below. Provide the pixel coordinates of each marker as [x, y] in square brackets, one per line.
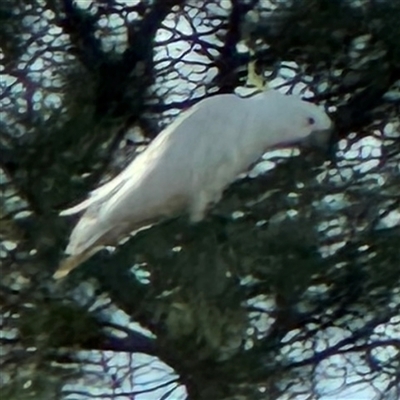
[321, 139]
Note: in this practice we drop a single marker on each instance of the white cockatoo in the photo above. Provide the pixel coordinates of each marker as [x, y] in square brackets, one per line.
[189, 164]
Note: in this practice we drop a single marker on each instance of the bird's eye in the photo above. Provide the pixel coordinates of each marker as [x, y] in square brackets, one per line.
[311, 121]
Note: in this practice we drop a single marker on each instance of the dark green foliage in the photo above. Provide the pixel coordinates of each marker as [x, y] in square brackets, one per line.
[203, 289]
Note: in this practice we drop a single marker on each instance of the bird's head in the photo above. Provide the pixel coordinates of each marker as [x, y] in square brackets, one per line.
[300, 122]
[316, 126]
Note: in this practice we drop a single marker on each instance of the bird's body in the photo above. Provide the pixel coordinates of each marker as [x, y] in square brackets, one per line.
[188, 165]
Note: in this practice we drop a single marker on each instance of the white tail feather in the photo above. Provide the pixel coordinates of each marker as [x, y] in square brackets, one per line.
[74, 261]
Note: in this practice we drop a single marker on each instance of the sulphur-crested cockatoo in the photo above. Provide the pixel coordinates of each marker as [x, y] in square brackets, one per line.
[189, 164]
